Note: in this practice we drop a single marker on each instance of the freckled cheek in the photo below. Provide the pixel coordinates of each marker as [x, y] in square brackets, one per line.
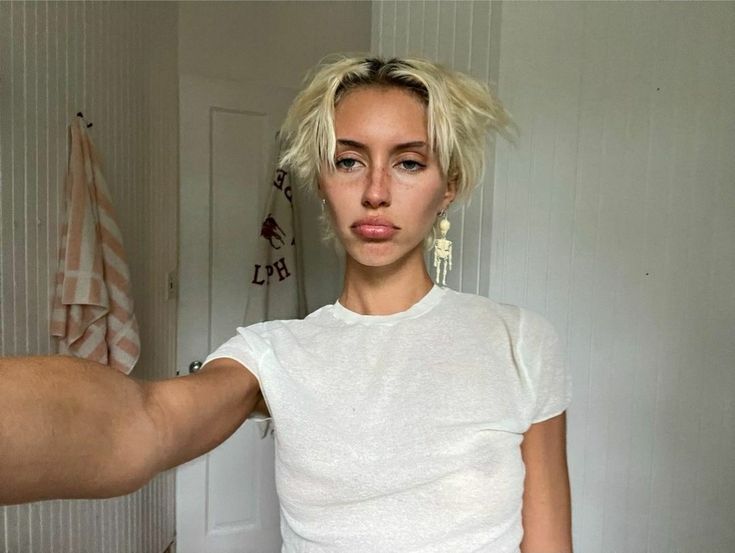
[428, 220]
[432, 205]
[340, 212]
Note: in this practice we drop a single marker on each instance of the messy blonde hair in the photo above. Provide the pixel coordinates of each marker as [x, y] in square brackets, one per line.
[460, 112]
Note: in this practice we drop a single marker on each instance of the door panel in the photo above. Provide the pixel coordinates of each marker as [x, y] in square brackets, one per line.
[226, 500]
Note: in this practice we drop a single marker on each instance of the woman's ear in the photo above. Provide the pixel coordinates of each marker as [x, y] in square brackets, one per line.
[451, 192]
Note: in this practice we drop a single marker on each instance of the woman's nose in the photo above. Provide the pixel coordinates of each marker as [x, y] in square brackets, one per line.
[377, 188]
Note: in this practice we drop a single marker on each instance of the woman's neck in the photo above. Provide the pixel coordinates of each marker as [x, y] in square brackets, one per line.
[384, 290]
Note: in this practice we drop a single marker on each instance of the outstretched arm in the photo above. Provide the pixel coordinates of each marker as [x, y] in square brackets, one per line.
[71, 428]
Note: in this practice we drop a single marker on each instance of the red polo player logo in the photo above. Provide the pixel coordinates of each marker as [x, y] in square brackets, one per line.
[272, 232]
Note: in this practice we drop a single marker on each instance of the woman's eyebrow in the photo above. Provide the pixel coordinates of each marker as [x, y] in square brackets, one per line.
[360, 146]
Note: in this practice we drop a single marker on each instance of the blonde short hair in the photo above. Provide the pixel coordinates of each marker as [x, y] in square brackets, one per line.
[460, 110]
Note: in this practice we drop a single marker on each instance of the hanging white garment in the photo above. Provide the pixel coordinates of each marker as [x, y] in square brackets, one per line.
[275, 290]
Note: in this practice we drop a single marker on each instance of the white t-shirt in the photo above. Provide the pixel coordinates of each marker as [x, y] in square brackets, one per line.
[402, 432]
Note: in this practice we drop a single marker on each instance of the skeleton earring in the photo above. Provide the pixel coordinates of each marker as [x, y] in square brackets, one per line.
[443, 250]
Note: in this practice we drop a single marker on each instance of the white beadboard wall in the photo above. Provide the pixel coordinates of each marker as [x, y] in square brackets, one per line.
[615, 217]
[117, 63]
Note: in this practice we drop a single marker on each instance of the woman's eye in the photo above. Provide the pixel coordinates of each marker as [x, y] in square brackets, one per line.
[411, 165]
[347, 163]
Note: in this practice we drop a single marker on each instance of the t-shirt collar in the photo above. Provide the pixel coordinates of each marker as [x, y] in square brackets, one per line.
[430, 299]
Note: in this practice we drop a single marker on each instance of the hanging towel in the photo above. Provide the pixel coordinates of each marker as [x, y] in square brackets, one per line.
[92, 313]
[276, 290]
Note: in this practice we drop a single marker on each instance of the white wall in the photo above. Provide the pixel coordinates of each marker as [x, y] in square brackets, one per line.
[115, 62]
[271, 42]
[615, 217]
[275, 44]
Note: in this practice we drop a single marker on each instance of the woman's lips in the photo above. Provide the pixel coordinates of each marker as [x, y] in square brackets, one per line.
[374, 231]
[374, 228]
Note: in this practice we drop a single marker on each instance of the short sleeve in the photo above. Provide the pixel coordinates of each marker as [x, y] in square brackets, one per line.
[247, 347]
[546, 366]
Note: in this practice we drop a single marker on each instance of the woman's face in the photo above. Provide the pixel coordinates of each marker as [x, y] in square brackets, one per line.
[387, 188]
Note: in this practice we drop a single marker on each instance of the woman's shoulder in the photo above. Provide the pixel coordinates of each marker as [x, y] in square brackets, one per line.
[517, 317]
[464, 302]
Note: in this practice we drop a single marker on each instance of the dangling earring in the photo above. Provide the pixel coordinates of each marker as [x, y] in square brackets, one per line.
[443, 251]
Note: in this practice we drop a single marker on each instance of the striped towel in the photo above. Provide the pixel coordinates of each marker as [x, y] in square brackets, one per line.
[92, 313]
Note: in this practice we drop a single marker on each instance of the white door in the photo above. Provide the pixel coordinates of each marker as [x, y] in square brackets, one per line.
[226, 500]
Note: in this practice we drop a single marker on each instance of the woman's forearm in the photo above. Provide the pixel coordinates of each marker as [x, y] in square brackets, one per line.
[71, 428]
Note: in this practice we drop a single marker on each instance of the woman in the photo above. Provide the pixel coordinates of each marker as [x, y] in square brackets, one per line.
[408, 416]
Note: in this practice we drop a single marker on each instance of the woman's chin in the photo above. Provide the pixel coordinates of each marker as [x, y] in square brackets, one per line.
[377, 254]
